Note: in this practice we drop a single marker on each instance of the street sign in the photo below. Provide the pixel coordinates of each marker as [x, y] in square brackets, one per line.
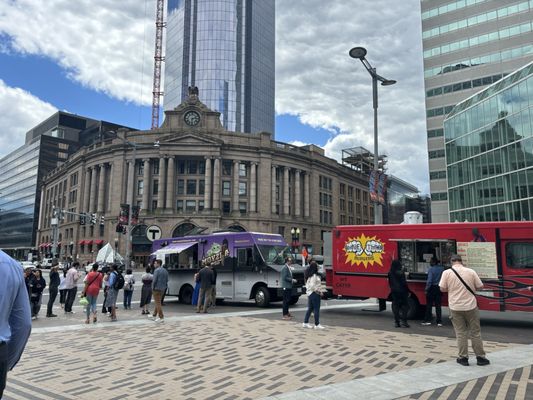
[153, 232]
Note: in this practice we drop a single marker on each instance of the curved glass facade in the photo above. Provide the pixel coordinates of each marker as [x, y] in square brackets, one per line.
[489, 152]
[226, 49]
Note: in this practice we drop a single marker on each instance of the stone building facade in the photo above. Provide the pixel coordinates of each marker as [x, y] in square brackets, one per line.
[190, 173]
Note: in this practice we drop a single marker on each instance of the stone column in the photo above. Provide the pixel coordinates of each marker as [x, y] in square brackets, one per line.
[131, 183]
[101, 190]
[171, 177]
[216, 184]
[207, 186]
[286, 190]
[306, 195]
[86, 191]
[297, 196]
[109, 203]
[253, 187]
[92, 205]
[235, 200]
[273, 194]
[161, 192]
[146, 185]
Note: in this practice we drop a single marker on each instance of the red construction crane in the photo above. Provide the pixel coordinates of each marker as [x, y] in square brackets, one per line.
[158, 59]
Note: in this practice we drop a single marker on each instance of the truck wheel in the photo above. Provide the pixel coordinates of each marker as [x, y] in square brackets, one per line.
[414, 307]
[186, 294]
[262, 297]
[294, 300]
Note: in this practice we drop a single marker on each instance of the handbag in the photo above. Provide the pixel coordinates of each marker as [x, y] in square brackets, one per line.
[86, 287]
[84, 301]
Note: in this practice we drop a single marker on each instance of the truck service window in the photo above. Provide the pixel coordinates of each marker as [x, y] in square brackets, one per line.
[519, 255]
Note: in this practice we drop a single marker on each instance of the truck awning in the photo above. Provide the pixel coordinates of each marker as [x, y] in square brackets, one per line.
[173, 248]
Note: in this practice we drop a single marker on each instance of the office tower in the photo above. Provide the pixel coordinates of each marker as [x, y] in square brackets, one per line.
[468, 45]
[226, 49]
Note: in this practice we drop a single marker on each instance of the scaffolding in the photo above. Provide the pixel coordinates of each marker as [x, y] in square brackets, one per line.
[362, 160]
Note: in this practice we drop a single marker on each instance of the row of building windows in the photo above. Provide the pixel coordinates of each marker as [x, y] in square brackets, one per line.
[435, 112]
[500, 34]
[432, 133]
[325, 200]
[439, 196]
[486, 80]
[436, 154]
[478, 19]
[325, 182]
[515, 211]
[457, 5]
[326, 217]
[491, 58]
[437, 175]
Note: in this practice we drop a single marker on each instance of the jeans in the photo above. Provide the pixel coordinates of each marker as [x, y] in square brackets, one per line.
[91, 307]
[286, 300]
[51, 300]
[466, 324]
[36, 305]
[433, 296]
[204, 299]
[158, 311]
[71, 296]
[400, 307]
[313, 305]
[63, 296]
[127, 298]
[3, 367]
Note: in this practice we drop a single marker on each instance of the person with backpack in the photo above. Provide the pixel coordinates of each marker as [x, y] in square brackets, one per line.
[93, 283]
[116, 282]
[129, 281]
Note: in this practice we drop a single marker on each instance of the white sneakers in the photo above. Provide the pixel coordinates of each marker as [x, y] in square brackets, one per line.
[304, 325]
[159, 320]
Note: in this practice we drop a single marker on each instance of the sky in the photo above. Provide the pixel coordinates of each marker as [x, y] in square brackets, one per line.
[95, 58]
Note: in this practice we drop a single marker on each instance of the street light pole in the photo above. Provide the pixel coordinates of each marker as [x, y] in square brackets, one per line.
[130, 201]
[360, 53]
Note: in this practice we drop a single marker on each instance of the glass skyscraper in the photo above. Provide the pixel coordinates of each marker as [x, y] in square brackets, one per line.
[489, 152]
[468, 45]
[226, 49]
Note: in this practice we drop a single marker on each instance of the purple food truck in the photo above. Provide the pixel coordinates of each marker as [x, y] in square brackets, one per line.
[248, 265]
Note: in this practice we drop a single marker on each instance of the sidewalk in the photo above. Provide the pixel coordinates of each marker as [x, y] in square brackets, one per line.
[237, 356]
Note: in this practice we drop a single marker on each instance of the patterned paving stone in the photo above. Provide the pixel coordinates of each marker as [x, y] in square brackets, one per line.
[233, 357]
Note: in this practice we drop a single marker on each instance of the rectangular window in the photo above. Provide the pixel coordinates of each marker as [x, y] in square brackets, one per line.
[281, 230]
[156, 168]
[242, 188]
[201, 187]
[141, 168]
[181, 186]
[201, 205]
[191, 186]
[518, 255]
[226, 209]
[140, 188]
[226, 167]
[242, 170]
[342, 188]
[201, 167]
[154, 204]
[190, 206]
[181, 166]
[192, 167]
[242, 207]
[155, 187]
[179, 205]
[226, 188]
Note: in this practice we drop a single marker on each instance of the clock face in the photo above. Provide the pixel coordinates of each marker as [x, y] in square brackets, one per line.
[192, 118]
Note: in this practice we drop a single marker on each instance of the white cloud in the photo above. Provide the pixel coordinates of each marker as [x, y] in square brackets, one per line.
[19, 112]
[318, 81]
[105, 45]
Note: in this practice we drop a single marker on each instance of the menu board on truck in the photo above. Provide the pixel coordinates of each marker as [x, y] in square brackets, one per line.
[480, 256]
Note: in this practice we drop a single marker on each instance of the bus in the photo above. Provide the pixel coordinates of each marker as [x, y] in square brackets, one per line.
[248, 265]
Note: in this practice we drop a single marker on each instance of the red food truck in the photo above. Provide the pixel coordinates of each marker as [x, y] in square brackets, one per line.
[500, 252]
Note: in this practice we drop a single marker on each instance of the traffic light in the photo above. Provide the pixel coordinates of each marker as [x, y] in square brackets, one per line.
[83, 219]
[102, 220]
[93, 219]
[135, 215]
[124, 214]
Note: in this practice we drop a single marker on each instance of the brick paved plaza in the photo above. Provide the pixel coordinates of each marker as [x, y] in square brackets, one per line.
[230, 356]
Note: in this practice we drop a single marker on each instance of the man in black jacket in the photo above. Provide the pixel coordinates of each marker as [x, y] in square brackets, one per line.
[205, 277]
[213, 299]
[52, 289]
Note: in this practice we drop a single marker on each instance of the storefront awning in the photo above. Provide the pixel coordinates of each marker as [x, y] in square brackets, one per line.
[88, 242]
[98, 242]
[173, 248]
[81, 242]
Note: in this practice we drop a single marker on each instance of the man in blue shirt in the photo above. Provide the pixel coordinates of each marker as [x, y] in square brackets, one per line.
[433, 294]
[15, 316]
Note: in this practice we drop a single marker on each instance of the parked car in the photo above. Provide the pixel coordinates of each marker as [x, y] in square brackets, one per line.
[46, 263]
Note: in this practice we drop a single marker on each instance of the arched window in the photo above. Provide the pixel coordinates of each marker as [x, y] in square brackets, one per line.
[236, 228]
[182, 229]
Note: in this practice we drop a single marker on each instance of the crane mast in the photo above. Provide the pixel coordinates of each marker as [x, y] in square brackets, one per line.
[158, 60]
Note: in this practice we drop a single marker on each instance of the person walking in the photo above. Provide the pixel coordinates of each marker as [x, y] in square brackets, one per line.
[129, 281]
[146, 290]
[400, 293]
[287, 282]
[433, 294]
[93, 284]
[314, 292]
[205, 277]
[460, 283]
[159, 286]
[71, 285]
[15, 316]
[53, 287]
[112, 292]
[37, 285]
[62, 290]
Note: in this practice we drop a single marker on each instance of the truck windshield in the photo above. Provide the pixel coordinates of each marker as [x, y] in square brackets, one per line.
[274, 254]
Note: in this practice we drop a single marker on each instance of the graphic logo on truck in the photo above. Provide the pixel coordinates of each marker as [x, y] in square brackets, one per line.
[364, 250]
[216, 254]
